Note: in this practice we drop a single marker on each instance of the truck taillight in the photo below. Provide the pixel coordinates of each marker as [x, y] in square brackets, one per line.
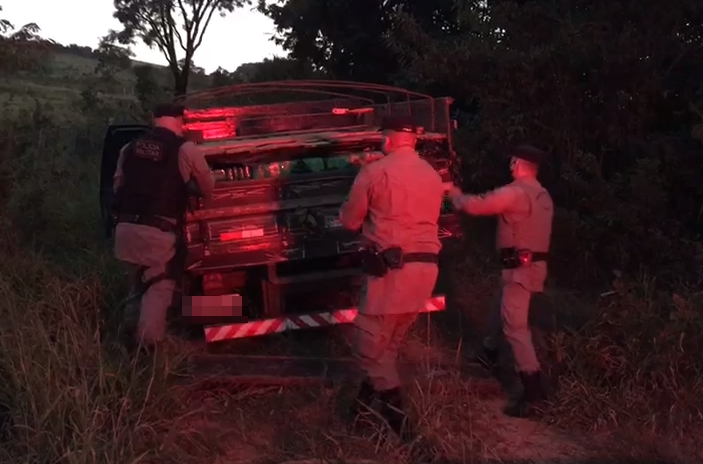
[218, 133]
[212, 130]
[253, 232]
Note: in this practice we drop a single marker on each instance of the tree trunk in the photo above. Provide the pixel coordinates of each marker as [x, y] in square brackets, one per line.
[180, 86]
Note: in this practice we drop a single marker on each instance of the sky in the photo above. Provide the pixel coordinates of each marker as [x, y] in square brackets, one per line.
[240, 37]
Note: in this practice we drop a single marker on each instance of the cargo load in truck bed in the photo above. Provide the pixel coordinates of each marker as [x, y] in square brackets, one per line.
[283, 169]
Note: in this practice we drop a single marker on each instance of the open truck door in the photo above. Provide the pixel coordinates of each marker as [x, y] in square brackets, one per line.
[116, 137]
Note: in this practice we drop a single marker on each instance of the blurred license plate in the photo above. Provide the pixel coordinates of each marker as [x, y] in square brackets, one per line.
[332, 222]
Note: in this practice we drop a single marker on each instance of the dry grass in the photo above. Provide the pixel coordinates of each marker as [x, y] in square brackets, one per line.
[634, 370]
[73, 395]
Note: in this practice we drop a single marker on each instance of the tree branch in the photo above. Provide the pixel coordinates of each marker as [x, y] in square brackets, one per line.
[186, 22]
[199, 34]
[174, 29]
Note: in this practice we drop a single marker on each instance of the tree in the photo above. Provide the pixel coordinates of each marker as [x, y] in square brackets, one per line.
[175, 27]
[221, 77]
[21, 49]
[275, 69]
[111, 60]
[193, 68]
[270, 69]
[610, 89]
[147, 89]
[347, 39]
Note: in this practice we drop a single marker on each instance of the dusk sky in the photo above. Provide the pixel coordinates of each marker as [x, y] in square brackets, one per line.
[241, 37]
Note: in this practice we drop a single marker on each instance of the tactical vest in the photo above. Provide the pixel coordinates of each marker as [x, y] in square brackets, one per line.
[533, 232]
[152, 184]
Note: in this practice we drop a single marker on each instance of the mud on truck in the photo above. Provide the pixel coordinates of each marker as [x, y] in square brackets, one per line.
[285, 155]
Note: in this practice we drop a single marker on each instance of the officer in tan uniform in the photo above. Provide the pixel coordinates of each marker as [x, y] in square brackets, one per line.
[525, 211]
[155, 175]
[396, 203]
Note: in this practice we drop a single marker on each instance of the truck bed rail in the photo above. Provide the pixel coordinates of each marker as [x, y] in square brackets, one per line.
[273, 108]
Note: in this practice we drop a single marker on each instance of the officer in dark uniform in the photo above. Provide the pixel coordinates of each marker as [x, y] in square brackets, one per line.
[155, 175]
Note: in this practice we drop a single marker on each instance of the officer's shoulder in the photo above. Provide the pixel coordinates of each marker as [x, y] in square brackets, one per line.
[430, 170]
[189, 145]
[375, 167]
[189, 148]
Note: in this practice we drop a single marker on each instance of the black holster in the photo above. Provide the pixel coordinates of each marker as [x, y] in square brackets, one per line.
[175, 267]
[377, 263]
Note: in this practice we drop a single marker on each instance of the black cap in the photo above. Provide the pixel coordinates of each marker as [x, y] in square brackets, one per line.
[168, 110]
[398, 123]
[529, 153]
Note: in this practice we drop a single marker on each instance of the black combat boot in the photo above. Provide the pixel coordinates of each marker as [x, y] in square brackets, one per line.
[487, 357]
[393, 412]
[531, 403]
[363, 401]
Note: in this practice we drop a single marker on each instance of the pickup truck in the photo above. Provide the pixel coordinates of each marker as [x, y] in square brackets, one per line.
[285, 155]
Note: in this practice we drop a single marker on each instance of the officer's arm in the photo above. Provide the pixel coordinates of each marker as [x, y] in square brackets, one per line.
[354, 210]
[506, 199]
[195, 170]
[119, 174]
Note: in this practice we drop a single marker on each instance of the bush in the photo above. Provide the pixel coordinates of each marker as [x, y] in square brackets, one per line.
[635, 368]
[70, 394]
[612, 90]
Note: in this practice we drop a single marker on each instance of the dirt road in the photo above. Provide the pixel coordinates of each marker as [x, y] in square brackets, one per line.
[458, 410]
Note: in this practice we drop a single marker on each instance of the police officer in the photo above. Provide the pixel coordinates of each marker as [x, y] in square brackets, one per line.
[525, 212]
[396, 203]
[155, 175]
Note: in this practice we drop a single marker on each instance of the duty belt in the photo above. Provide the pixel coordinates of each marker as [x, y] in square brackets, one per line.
[540, 256]
[148, 220]
[512, 258]
[420, 258]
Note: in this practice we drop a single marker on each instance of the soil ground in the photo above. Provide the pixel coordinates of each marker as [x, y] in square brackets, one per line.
[458, 410]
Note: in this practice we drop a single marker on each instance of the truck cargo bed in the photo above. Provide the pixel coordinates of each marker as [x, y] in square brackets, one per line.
[271, 227]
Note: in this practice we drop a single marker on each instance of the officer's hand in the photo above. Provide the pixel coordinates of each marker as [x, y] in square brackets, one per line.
[455, 195]
[193, 189]
[454, 192]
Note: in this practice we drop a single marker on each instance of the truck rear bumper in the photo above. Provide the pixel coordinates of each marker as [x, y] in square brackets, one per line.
[297, 322]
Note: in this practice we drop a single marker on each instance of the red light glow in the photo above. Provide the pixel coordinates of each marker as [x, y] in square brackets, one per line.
[215, 130]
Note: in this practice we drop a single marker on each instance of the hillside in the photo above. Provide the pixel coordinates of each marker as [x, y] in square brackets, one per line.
[68, 72]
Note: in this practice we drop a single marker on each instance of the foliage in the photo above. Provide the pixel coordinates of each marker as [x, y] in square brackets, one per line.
[21, 49]
[69, 393]
[612, 89]
[275, 69]
[606, 86]
[633, 367]
[112, 59]
[346, 39]
[172, 26]
[146, 89]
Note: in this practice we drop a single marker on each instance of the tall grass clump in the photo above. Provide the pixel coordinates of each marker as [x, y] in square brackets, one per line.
[635, 368]
[69, 392]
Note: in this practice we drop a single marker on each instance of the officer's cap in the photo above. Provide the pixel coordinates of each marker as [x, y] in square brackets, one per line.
[529, 153]
[168, 110]
[398, 123]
